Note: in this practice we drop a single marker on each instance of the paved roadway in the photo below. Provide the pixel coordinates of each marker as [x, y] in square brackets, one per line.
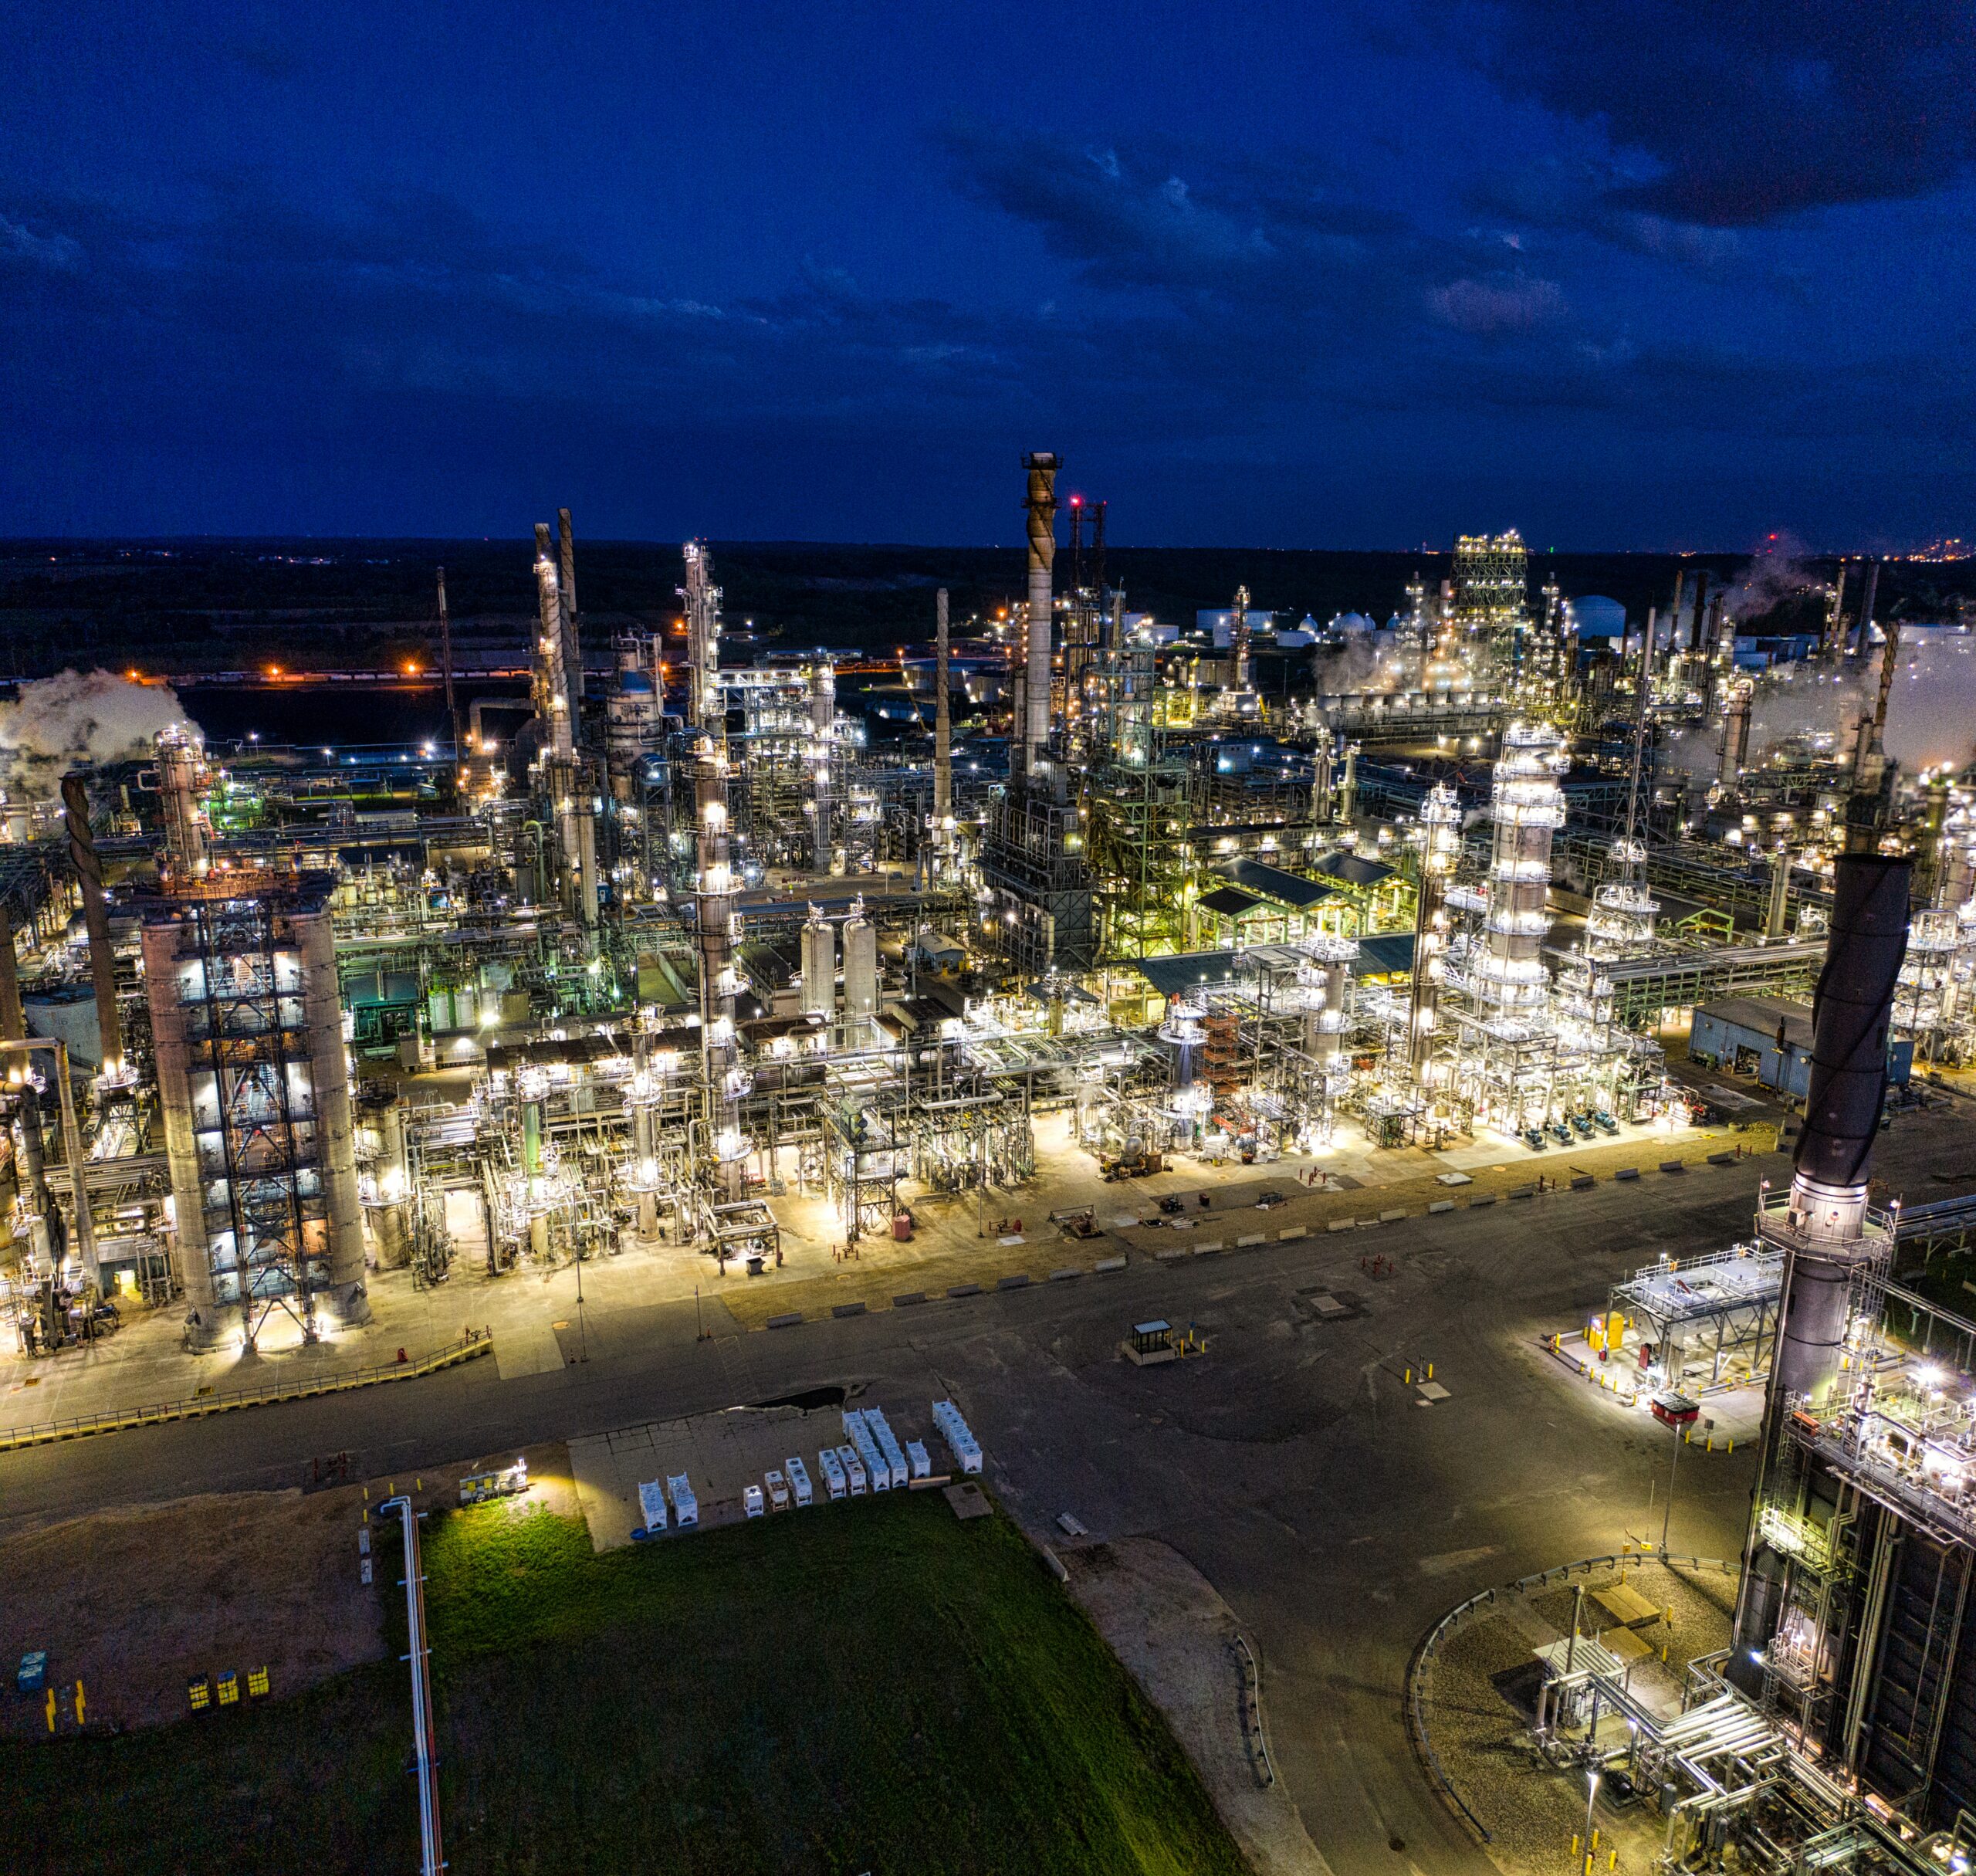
[1291, 1464]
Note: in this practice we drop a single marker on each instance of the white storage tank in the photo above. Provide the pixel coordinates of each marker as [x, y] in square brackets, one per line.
[819, 965]
[861, 965]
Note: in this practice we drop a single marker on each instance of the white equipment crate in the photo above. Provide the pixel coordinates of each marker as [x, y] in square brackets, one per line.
[686, 1507]
[915, 1454]
[834, 1482]
[853, 1469]
[894, 1454]
[799, 1478]
[652, 1504]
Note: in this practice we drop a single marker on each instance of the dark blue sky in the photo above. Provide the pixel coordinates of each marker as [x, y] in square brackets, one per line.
[1661, 275]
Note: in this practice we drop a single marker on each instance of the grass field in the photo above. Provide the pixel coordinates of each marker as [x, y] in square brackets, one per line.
[872, 1687]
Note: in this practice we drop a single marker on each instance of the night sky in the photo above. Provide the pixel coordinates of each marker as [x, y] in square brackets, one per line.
[1656, 275]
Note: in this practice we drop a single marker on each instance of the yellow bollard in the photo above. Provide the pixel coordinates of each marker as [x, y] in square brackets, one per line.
[1612, 1859]
[1574, 1844]
[1430, 1371]
[1711, 1445]
[1594, 1837]
[1732, 1446]
[1409, 1377]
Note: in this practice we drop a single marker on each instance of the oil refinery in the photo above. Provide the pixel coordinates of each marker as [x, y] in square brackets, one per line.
[688, 959]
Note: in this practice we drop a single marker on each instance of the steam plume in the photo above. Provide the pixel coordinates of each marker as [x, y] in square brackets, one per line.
[76, 718]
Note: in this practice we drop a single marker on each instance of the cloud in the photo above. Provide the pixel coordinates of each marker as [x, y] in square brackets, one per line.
[62, 253]
[1748, 111]
[1504, 303]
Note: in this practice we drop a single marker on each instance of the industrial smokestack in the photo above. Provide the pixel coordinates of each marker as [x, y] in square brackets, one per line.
[572, 655]
[1864, 638]
[1238, 637]
[103, 962]
[943, 761]
[1041, 503]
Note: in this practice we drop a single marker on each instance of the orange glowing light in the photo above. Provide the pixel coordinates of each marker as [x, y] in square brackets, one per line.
[410, 670]
[274, 671]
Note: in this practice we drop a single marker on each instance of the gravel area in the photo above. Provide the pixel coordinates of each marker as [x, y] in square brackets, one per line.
[1477, 1718]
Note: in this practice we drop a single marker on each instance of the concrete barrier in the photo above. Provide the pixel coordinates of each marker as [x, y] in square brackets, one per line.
[1516, 1192]
[788, 1321]
[1213, 1244]
[1251, 1237]
[1342, 1224]
[1389, 1217]
[1018, 1280]
[1627, 1172]
[963, 1289]
[1722, 1159]
[907, 1299]
[1172, 1257]
[1440, 1205]
[857, 1309]
[1674, 1165]
[1581, 1182]
[1482, 1198]
[1105, 1263]
[1289, 1232]
[1065, 1275]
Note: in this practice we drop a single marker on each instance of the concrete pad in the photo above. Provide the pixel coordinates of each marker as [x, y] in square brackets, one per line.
[1432, 1390]
[526, 1349]
[1624, 1604]
[1453, 1179]
[610, 1501]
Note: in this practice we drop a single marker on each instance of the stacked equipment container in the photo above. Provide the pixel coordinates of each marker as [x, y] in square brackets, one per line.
[651, 1505]
[888, 1446]
[967, 1449]
[799, 1478]
[876, 1468]
[853, 1469]
[834, 1479]
[686, 1507]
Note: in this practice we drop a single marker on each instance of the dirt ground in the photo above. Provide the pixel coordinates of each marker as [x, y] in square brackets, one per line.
[136, 1603]
[1174, 1634]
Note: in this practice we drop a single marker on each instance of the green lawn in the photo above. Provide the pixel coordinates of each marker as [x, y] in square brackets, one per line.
[868, 1687]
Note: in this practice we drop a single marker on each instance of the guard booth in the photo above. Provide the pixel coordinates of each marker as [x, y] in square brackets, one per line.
[1151, 1343]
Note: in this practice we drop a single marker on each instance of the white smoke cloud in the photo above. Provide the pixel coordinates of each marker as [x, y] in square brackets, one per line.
[1773, 575]
[76, 718]
[1931, 711]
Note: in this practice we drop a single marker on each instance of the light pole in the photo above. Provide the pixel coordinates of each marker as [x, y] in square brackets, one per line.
[1667, 1515]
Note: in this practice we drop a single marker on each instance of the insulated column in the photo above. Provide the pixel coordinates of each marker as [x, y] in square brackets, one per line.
[1041, 503]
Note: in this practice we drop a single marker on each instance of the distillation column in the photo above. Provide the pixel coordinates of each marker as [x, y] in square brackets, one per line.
[702, 599]
[943, 760]
[861, 969]
[1440, 847]
[1528, 808]
[1041, 504]
[575, 826]
[726, 1080]
[181, 771]
[823, 800]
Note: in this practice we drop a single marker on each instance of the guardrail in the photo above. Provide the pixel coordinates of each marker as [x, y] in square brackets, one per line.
[475, 1342]
[1252, 1711]
[1422, 1662]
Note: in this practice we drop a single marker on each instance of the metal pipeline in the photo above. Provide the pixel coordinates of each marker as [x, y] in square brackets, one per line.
[943, 761]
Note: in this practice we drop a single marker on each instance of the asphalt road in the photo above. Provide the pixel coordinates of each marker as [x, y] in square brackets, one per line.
[1292, 1465]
